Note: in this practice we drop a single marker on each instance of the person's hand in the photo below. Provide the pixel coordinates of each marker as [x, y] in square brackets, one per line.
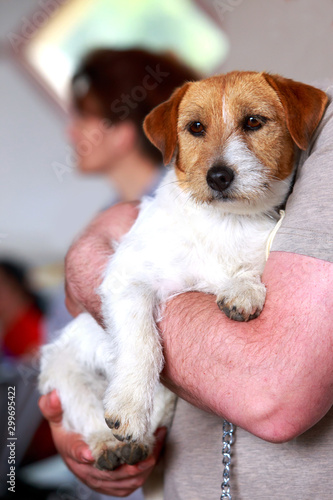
[78, 458]
[88, 257]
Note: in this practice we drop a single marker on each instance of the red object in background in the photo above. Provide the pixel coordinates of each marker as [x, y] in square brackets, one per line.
[25, 334]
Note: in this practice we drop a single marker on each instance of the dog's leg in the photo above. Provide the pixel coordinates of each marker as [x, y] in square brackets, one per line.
[73, 365]
[129, 399]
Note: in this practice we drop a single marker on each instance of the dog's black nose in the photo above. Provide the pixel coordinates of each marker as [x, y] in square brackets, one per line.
[219, 177]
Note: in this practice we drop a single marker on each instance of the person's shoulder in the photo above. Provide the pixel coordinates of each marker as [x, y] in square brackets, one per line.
[324, 84]
[322, 136]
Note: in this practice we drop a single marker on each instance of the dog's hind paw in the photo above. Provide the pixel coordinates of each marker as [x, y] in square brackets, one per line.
[108, 460]
[129, 453]
[133, 453]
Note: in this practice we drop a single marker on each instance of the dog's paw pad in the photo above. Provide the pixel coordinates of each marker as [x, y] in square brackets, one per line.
[133, 453]
[108, 460]
[129, 453]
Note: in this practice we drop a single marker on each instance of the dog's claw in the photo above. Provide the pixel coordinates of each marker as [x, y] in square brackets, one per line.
[111, 424]
[120, 431]
[234, 314]
[123, 438]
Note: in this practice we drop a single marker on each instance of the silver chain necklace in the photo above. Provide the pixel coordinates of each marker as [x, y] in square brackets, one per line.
[228, 428]
[227, 441]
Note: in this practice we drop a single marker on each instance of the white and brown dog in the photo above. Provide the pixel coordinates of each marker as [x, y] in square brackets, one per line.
[232, 142]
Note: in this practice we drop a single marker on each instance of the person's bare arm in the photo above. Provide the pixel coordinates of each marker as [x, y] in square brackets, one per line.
[87, 258]
[272, 376]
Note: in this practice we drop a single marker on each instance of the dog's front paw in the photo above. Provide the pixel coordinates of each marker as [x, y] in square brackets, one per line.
[236, 314]
[120, 427]
[244, 302]
[128, 419]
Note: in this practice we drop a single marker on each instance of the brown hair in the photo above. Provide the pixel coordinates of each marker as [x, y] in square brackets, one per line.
[127, 84]
[17, 275]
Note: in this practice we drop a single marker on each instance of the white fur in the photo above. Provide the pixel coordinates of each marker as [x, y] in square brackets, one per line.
[252, 179]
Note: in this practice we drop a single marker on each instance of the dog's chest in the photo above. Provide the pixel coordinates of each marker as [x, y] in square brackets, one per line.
[175, 246]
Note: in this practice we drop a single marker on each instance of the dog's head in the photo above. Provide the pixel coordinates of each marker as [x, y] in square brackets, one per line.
[234, 138]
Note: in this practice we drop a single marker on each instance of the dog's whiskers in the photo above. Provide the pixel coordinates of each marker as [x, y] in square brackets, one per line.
[177, 182]
[282, 181]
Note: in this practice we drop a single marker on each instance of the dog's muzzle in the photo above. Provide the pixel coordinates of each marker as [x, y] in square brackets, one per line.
[219, 177]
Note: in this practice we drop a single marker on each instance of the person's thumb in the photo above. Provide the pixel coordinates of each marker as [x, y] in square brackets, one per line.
[80, 452]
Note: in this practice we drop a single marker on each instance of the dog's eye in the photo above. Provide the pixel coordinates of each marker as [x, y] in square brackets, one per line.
[196, 128]
[254, 122]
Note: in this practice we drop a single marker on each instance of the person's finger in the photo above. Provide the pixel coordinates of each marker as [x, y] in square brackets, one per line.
[120, 482]
[77, 455]
[160, 434]
[50, 406]
[70, 443]
[79, 451]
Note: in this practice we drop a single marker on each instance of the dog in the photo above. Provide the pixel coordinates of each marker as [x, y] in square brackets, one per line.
[231, 142]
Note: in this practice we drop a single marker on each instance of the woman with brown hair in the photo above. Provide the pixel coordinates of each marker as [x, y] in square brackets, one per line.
[112, 92]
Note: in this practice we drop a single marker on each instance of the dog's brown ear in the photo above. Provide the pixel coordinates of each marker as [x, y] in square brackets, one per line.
[160, 125]
[304, 106]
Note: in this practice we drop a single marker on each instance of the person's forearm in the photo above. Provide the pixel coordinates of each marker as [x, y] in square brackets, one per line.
[273, 375]
[88, 257]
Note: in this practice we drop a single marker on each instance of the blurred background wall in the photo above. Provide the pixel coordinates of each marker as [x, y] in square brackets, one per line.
[40, 213]
[44, 203]
[291, 37]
